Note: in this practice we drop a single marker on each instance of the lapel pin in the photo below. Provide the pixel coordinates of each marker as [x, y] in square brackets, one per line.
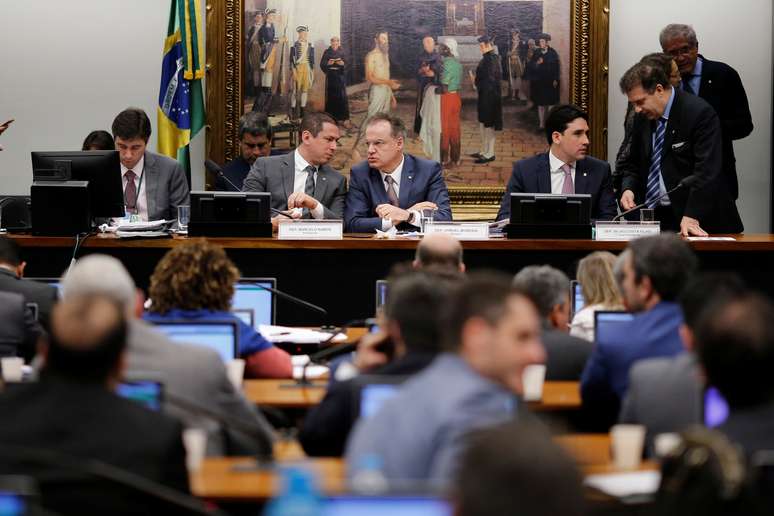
[409, 177]
[585, 174]
[323, 178]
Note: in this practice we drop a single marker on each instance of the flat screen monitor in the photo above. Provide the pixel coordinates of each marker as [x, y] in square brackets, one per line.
[102, 169]
[373, 390]
[386, 506]
[715, 408]
[230, 214]
[221, 336]
[577, 301]
[607, 321]
[148, 393]
[534, 208]
[382, 287]
[253, 304]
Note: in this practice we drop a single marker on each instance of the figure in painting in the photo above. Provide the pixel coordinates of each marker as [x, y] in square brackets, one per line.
[515, 59]
[254, 56]
[334, 67]
[451, 103]
[490, 106]
[268, 42]
[544, 77]
[428, 72]
[302, 64]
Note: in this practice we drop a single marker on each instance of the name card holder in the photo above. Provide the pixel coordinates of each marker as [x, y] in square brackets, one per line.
[623, 231]
[460, 230]
[310, 229]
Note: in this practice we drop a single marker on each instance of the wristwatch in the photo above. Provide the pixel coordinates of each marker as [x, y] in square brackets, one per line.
[412, 216]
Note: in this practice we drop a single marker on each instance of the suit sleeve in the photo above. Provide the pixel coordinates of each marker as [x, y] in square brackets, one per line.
[595, 380]
[628, 167]
[178, 191]
[175, 474]
[707, 149]
[439, 194]
[255, 181]
[736, 119]
[628, 412]
[359, 214]
[336, 209]
[606, 205]
[327, 426]
[515, 185]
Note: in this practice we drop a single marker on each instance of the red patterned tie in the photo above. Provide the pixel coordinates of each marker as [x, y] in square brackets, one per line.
[568, 187]
[130, 192]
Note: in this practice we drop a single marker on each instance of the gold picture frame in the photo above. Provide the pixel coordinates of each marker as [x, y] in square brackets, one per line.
[588, 88]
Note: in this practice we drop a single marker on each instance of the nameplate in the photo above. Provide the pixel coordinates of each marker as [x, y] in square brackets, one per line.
[460, 230]
[310, 229]
[625, 231]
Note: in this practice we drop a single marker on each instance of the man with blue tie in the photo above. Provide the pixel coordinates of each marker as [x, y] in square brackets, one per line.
[391, 188]
[675, 135]
[565, 168]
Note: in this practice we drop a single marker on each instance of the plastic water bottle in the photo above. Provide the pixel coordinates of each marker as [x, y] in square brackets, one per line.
[299, 495]
[368, 478]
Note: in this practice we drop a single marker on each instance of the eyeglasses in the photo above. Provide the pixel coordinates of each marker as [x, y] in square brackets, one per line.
[682, 51]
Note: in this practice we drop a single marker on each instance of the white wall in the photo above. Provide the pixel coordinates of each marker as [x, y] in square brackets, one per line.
[69, 68]
[738, 33]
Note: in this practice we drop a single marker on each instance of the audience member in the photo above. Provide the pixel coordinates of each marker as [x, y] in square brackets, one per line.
[600, 292]
[492, 333]
[255, 135]
[99, 140]
[549, 289]
[190, 373]
[71, 417]
[195, 281]
[12, 280]
[19, 331]
[439, 250]
[516, 468]
[407, 342]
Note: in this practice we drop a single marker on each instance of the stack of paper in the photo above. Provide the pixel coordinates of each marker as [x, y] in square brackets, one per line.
[296, 335]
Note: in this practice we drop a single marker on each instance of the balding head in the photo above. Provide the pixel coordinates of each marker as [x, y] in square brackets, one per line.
[99, 274]
[439, 250]
[88, 337]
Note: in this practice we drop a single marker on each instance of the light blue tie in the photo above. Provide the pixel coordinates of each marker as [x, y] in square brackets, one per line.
[654, 173]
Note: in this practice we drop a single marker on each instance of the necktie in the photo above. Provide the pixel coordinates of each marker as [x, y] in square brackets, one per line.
[654, 173]
[391, 194]
[309, 187]
[567, 187]
[130, 192]
[686, 84]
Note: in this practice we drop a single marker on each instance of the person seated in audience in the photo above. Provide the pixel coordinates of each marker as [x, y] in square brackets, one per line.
[19, 331]
[408, 340]
[516, 469]
[99, 140]
[255, 135]
[549, 289]
[195, 281]
[651, 273]
[678, 379]
[12, 280]
[439, 250]
[71, 417]
[492, 332]
[600, 292]
[735, 346]
[194, 374]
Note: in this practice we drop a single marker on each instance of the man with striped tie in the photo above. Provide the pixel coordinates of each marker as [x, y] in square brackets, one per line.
[675, 135]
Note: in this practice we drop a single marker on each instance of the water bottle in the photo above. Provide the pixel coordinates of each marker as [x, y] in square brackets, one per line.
[299, 495]
[368, 478]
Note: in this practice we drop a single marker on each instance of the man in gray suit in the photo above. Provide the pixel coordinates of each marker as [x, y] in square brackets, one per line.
[302, 179]
[192, 375]
[154, 185]
[19, 331]
[549, 289]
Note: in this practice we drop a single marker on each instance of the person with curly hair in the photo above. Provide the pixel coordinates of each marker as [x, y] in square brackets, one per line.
[195, 281]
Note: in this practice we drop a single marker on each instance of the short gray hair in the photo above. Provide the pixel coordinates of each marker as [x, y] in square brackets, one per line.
[677, 30]
[103, 275]
[544, 285]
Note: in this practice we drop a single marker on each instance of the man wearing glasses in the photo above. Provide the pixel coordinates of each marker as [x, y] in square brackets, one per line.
[255, 136]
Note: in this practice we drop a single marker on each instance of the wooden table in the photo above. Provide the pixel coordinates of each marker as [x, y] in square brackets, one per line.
[558, 396]
[339, 275]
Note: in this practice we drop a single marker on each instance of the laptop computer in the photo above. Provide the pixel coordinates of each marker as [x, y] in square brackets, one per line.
[576, 298]
[252, 304]
[54, 282]
[349, 505]
[605, 321]
[221, 336]
[148, 392]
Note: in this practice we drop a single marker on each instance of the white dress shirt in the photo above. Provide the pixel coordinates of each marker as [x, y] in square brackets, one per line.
[299, 183]
[396, 175]
[557, 174]
[142, 200]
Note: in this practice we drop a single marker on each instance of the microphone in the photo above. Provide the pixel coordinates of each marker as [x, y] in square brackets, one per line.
[293, 299]
[213, 168]
[686, 182]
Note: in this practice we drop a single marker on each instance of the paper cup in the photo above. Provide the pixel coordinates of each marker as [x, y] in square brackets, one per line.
[532, 379]
[665, 444]
[235, 369]
[195, 442]
[12, 368]
[627, 442]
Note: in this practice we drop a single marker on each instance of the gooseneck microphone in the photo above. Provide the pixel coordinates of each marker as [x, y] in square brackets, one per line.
[686, 182]
[292, 299]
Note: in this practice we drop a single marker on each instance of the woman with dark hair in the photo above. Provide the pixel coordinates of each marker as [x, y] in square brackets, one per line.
[195, 281]
[99, 140]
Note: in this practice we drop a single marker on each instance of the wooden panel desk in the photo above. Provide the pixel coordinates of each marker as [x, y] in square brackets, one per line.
[339, 275]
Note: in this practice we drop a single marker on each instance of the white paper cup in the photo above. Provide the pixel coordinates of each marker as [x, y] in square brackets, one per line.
[627, 442]
[12, 368]
[235, 369]
[195, 442]
[664, 444]
[532, 379]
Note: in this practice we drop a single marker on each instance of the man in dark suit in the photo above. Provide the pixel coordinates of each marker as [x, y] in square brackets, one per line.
[72, 417]
[549, 289]
[255, 135]
[565, 168]
[12, 280]
[302, 179]
[19, 331]
[154, 185]
[391, 188]
[719, 85]
[675, 135]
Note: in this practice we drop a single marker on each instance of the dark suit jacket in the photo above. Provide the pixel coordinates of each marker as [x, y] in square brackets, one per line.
[751, 427]
[19, 331]
[166, 186]
[40, 293]
[86, 421]
[566, 355]
[235, 170]
[592, 176]
[420, 180]
[692, 146]
[276, 175]
[722, 88]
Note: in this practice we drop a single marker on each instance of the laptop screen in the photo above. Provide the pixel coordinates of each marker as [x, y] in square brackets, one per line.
[251, 303]
[604, 322]
[221, 336]
[147, 393]
[577, 298]
[385, 506]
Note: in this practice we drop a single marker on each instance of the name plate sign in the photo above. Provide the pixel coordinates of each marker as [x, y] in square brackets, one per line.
[625, 231]
[310, 229]
[460, 230]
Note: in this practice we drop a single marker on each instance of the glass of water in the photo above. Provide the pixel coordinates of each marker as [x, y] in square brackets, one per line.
[647, 215]
[183, 216]
[426, 215]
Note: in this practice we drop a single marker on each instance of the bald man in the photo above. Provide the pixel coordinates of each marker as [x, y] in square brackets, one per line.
[439, 250]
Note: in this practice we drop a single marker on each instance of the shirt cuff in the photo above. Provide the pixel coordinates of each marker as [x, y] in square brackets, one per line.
[386, 224]
[318, 212]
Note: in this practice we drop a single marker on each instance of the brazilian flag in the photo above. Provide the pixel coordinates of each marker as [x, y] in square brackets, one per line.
[181, 103]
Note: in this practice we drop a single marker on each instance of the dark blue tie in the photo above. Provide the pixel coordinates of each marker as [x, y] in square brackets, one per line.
[654, 173]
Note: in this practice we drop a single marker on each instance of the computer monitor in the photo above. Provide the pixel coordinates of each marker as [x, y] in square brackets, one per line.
[605, 321]
[148, 393]
[221, 336]
[386, 506]
[253, 304]
[382, 288]
[373, 390]
[102, 169]
[230, 214]
[576, 301]
[715, 408]
[536, 215]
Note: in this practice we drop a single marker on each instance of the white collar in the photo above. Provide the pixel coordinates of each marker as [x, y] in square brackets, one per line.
[138, 168]
[555, 164]
[301, 163]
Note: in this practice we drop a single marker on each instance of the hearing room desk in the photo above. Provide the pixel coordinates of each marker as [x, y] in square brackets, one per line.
[339, 275]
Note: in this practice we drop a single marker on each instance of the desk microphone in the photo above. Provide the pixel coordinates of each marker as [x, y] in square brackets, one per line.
[686, 182]
[214, 168]
[292, 299]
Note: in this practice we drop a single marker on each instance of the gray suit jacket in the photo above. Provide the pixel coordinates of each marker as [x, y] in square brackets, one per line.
[196, 374]
[276, 174]
[665, 394]
[19, 331]
[565, 355]
[166, 186]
